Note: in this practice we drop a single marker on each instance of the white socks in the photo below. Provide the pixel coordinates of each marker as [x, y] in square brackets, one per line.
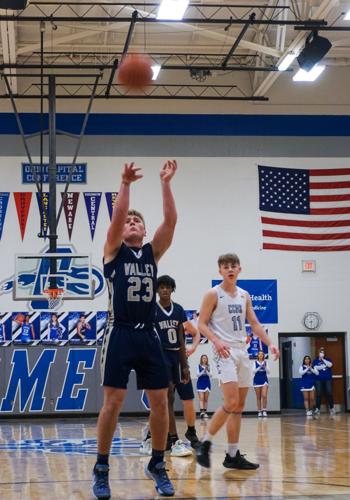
[232, 449]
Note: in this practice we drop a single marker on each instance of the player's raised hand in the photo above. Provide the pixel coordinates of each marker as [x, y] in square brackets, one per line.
[131, 173]
[168, 171]
[275, 351]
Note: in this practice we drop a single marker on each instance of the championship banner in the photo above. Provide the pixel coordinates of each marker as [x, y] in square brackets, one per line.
[22, 201]
[264, 298]
[111, 199]
[4, 199]
[43, 204]
[92, 202]
[70, 208]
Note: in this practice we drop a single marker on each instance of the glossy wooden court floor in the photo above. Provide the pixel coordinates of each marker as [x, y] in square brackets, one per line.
[299, 458]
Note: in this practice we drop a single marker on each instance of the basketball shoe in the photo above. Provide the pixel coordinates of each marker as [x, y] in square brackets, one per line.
[100, 487]
[238, 462]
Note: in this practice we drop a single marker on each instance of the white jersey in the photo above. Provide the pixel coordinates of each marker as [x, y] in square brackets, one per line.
[228, 319]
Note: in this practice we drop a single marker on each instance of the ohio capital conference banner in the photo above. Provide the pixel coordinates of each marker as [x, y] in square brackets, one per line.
[264, 298]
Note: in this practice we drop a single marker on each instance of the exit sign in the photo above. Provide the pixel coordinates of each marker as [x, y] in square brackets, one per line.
[309, 266]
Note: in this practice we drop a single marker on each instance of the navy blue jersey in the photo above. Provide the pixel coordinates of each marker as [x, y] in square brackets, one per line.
[168, 323]
[132, 281]
[1, 332]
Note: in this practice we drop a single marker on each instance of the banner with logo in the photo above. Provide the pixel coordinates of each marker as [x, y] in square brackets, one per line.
[70, 204]
[23, 201]
[92, 203]
[43, 204]
[111, 199]
[4, 199]
[264, 298]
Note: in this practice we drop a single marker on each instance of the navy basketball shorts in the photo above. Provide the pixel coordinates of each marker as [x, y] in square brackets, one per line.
[125, 349]
[172, 360]
[185, 391]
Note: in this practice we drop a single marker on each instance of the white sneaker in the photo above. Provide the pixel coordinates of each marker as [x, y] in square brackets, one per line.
[316, 411]
[264, 413]
[260, 414]
[309, 413]
[332, 411]
[206, 416]
[146, 447]
[180, 450]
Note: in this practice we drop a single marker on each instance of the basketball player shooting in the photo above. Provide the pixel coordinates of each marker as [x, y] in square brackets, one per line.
[130, 342]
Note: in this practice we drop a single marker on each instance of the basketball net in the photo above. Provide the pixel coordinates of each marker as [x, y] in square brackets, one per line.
[54, 297]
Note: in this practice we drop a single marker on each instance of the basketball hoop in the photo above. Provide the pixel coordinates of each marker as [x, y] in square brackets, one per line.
[54, 297]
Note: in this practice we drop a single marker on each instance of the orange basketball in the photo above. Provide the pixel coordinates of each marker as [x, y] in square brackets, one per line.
[135, 71]
[20, 318]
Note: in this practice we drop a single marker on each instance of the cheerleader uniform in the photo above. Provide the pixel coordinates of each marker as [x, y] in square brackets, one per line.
[203, 380]
[307, 373]
[261, 370]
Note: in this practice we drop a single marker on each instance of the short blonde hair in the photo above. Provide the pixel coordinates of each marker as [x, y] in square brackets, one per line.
[228, 258]
[138, 214]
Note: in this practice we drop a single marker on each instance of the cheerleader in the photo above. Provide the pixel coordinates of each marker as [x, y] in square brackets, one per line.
[308, 373]
[203, 384]
[261, 383]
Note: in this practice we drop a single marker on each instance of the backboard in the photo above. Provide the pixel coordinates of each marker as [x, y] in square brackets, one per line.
[70, 273]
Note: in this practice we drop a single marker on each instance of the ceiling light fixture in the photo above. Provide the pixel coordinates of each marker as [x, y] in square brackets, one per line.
[308, 76]
[286, 62]
[172, 10]
[156, 69]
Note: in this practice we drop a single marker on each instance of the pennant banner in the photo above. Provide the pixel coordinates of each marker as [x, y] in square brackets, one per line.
[70, 208]
[111, 199]
[92, 202]
[4, 199]
[22, 201]
[43, 204]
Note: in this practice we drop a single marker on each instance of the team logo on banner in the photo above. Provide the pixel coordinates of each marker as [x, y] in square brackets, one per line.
[92, 202]
[4, 199]
[22, 201]
[111, 199]
[70, 208]
[43, 204]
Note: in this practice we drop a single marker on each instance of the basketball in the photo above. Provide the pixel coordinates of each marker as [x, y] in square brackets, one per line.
[20, 318]
[135, 71]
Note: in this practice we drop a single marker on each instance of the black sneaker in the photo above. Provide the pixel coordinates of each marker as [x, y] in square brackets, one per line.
[203, 453]
[238, 462]
[192, 437]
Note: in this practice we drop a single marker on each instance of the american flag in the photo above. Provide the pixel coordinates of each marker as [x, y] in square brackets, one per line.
[305, 210]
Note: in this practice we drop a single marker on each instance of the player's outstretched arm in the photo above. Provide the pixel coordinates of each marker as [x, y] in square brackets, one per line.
[258, 329]
[165, 232]
[130, 174]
